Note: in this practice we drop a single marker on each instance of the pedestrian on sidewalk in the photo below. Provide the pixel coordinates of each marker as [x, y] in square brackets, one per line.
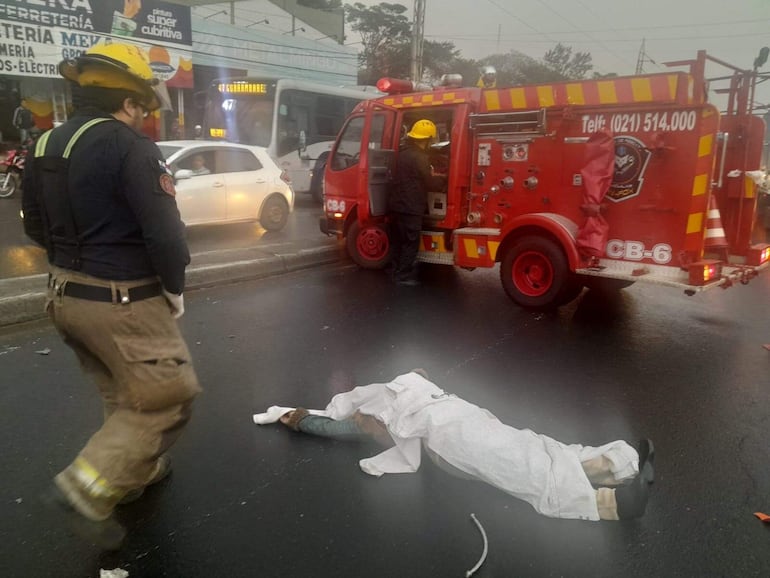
[99, 198]
[610, 482]
[408, 201]
[23, 121]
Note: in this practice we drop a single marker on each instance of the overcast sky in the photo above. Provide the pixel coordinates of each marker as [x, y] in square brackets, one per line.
[611, 30]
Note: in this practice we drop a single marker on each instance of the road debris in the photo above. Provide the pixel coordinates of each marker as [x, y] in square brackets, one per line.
[116, 573]
[473, 570]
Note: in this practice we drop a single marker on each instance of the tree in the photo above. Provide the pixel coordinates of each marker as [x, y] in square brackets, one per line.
[384, 30]
[516, 68]
[568, 66]
[438, 58]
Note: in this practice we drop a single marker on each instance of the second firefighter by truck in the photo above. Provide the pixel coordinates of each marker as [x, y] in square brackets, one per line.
[408, 200]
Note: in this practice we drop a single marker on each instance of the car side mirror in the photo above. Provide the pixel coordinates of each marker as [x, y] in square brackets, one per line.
[183, 174]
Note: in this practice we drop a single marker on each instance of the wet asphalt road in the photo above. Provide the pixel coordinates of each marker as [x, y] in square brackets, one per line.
[20, 257]
[248, 500]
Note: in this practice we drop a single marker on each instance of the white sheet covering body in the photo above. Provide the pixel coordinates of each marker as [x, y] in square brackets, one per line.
[532, 467]
[535, 468]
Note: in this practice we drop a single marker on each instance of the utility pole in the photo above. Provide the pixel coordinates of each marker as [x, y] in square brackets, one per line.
[643, 57]
[418, 34]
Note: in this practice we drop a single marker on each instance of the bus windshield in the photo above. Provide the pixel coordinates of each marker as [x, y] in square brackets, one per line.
[296, 120]
[241, 111]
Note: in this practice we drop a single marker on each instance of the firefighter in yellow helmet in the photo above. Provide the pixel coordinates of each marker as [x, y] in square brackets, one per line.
[99, 198]
[408, 200]
[488, 78]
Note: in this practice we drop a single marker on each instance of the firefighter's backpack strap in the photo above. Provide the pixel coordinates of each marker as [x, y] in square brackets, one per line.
[72, 236]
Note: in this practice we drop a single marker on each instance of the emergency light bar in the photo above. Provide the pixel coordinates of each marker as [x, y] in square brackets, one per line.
[400, 86]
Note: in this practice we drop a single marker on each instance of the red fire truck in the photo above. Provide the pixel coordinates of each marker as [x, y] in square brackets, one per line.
[600, 182]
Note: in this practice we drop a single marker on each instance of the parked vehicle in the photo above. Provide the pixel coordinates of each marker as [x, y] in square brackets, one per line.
[13, 168]
[219, 182]
[602, 182]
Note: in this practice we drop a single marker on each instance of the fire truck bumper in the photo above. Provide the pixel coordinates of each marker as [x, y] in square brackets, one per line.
[330, 226]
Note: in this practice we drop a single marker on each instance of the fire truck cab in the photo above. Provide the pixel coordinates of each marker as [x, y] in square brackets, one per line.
[586, 183]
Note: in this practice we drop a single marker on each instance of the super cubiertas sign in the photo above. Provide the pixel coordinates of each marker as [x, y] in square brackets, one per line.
[35, 35]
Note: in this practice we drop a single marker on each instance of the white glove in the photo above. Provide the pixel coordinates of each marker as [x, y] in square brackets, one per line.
[175, 303]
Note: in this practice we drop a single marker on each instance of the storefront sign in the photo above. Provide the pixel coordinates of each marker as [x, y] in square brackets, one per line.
[35, 35]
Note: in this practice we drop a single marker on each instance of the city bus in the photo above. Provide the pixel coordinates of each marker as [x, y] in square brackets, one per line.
[296, 120]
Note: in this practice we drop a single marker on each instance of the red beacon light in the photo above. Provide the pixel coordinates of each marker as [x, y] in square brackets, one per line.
[395, 85]
[401, 86]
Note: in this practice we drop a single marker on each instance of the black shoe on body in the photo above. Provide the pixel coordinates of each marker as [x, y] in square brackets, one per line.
[646, 451]
[106, 534]
[632, 498]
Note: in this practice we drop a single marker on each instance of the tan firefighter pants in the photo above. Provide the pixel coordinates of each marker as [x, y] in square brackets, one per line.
[143, 369]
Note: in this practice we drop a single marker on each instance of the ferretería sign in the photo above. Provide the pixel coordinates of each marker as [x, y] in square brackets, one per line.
[35, 35]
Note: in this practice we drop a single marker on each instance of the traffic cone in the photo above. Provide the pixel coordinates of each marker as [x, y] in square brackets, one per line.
[715, 240]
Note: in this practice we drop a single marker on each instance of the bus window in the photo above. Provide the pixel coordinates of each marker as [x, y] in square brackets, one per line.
[294, 108]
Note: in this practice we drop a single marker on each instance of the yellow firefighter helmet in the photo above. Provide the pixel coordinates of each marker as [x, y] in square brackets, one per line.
[422, 129]
[114, 66]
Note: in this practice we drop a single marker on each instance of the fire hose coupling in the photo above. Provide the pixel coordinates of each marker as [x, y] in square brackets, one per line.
[530, 183]
[474, 217]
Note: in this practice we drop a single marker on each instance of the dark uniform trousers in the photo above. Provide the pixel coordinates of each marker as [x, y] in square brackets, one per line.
[405, 229]
[143, 369]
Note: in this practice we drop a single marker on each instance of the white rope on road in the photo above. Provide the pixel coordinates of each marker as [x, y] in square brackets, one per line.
[472, 571]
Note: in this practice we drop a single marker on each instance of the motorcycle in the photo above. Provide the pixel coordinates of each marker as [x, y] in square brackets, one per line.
[13, 165]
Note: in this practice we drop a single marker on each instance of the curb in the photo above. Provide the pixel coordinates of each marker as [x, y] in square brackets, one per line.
[28, 306]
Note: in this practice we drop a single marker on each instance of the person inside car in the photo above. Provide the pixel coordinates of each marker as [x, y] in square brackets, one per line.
[199, 166]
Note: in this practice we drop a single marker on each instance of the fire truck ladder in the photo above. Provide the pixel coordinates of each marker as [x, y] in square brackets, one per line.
[501, 124]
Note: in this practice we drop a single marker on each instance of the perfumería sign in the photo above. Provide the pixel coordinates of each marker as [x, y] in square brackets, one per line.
[35, 35]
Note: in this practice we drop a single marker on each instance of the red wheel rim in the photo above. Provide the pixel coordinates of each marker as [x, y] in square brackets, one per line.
[372, 243]
[532, 274]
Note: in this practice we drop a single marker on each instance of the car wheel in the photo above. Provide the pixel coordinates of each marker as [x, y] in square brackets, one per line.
[275, 213]
[535, 274]
[368, 246]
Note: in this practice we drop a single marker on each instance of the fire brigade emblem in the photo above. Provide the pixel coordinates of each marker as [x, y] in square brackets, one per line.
[631, 158]
[166, 180]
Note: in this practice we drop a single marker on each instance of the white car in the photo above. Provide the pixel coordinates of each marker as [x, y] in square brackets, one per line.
[220, 182]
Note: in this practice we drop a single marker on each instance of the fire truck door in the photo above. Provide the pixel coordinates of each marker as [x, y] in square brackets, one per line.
[378, 156]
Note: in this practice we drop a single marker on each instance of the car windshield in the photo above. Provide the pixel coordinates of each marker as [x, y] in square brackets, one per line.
[168, 150]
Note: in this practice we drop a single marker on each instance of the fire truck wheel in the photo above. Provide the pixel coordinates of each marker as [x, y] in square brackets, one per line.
[368, 246]
[535, 274]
